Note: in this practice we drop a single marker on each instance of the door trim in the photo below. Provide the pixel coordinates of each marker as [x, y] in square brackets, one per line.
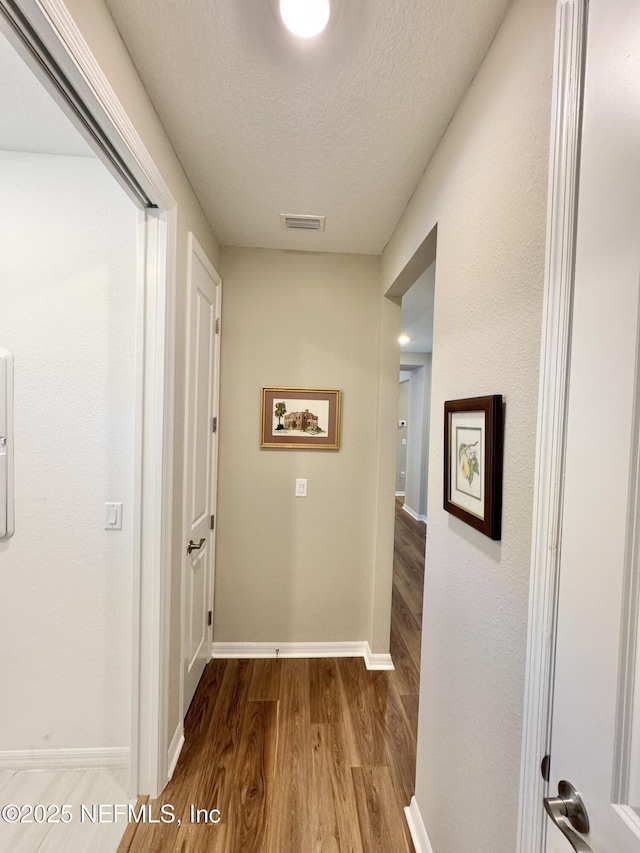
[564, 155]
[195, 249]
[63, 43]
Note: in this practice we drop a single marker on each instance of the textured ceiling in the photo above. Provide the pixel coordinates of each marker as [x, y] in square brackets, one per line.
[30, 120]
[342, 126]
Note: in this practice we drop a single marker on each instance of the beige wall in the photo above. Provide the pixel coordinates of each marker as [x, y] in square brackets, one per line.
[388, 359]
[299, 569]
[98, 29]
[486, 188]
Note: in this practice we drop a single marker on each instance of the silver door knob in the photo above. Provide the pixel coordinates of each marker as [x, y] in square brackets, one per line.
[569, 814]
[193, 547]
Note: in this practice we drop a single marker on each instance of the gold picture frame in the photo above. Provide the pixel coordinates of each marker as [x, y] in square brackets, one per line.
[303, 418]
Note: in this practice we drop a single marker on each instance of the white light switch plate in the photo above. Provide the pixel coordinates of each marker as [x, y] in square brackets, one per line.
[301, 488]
[113, 516]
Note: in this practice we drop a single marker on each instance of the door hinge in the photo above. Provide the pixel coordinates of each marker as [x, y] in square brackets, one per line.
[213, 522]
[210, 618]
[545, 767]
[214, 425]
[217, 325]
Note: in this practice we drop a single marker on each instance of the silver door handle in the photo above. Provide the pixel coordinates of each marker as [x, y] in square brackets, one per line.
[193, 547]
[569, 814]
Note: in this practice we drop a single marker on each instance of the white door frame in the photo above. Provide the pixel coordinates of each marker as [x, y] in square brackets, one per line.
[552, 412]
[194, 248]
[155, 353]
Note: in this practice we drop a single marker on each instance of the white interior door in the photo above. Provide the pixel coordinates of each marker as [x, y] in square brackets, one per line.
[596, 712]
[200, 467]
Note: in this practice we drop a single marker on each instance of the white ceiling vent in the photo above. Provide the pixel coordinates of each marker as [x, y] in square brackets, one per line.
[306, 223]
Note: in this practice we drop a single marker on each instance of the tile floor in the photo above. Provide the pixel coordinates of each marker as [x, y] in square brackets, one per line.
[88, 787]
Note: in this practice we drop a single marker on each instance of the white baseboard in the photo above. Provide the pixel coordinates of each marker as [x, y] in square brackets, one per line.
[303, 650]
[63, 759]
[413, 513]
[416, 828]
[175, 748]
[377, 661]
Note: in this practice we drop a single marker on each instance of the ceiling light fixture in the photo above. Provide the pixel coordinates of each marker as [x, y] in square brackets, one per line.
[305, 18]
[403, 339]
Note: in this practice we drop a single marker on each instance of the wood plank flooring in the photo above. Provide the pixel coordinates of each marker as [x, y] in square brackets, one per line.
[302, 756]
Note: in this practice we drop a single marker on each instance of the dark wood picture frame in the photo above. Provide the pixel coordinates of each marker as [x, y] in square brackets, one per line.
[473, 469]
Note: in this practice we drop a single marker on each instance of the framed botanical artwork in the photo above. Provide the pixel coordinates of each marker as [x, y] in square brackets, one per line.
[473, 438]
[300, 417]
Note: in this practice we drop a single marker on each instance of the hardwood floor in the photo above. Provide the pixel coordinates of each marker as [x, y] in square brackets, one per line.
[302, 756]
[406, 603]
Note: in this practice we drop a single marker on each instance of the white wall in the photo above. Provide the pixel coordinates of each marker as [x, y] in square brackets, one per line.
[424, 437]
[486, 189]
[401, 449]
[418, 427]
[67, 311]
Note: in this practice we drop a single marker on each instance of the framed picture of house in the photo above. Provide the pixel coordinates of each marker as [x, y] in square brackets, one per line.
[473, 439]
[300, 417]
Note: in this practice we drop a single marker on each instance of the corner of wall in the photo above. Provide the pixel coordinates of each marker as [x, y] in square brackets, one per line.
[382, 575]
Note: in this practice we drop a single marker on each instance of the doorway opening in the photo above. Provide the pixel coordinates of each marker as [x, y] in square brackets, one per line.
[414, 412]
[412, 473]
[56, 54]
[68, 291]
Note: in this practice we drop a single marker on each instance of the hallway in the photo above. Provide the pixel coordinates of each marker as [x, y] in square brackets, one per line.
[302, 755]
[406, 608]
